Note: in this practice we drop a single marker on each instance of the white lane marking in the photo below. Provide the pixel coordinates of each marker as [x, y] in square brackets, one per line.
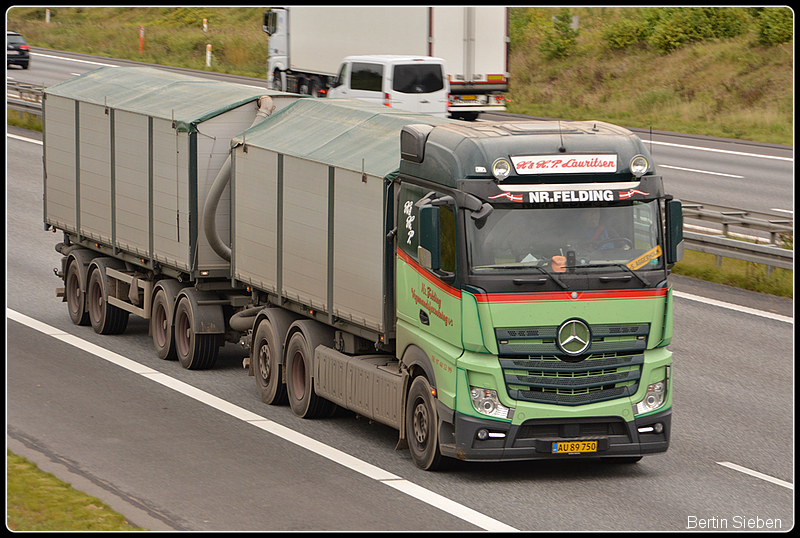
[337, 456]
[730, 306]
[790, 211]
[24, 139]
[756, 474]
[726, 151]
[699, 171]
[73, 59]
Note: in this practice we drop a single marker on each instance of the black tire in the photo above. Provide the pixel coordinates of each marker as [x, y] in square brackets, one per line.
[422, 428]
[268, 369]
[300, 382]
[161, 327]
[105, 318]
[278, 82]
[76, 298]
[194, 351]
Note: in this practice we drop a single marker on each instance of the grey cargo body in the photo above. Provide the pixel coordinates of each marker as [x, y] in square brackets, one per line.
[310, 217]
[130, 154]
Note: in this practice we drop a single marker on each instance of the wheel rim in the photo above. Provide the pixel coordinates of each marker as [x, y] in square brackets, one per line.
[160, 325]
[96, 302]
[73, 293]
[421, 423]
[183, 335]
[264, 363]
[299, 376]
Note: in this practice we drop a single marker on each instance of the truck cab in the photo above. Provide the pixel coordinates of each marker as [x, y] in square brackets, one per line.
[532, 264]
[414, 83]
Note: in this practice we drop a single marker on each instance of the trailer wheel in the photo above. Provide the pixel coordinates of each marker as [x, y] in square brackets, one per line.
[271, 388]
[161, 327]
[303, 400]
[105, 318]
[76, 298]
[422, 427]
[195, 351]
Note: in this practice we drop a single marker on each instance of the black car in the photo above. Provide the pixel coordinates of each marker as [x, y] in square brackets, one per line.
[17, 50]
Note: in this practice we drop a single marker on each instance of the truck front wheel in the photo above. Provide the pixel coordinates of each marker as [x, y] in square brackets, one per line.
[195, 351]
[422, 427]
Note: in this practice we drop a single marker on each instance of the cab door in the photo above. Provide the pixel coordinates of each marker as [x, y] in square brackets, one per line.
[428, 300]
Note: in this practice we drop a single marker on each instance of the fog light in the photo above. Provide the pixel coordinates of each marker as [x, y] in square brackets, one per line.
[655, 428]
[483, 435]
[486, 402]
[653, 399]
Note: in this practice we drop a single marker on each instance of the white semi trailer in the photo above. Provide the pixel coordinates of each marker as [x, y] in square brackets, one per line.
[307, 45]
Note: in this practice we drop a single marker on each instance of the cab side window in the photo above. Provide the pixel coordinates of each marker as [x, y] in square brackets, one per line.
[427, 233]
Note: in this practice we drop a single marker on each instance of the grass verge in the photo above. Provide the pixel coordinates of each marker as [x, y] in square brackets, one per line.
[736, 273]
[38, 501]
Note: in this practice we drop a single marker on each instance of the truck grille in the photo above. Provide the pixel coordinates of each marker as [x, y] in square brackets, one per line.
[535, 370]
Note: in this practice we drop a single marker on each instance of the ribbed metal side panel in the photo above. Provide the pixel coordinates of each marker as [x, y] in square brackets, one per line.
[370, 385]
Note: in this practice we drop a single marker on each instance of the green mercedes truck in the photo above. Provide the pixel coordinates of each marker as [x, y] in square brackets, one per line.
[492, 290]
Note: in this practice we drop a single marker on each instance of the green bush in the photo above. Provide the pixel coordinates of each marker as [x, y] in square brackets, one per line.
[560, 40]
[775, 26]
[624, 33]
[675, 27]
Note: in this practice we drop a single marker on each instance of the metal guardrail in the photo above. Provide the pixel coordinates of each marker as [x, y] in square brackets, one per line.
[774, 225]
[28, 98]
[724, 247]
[22, 97]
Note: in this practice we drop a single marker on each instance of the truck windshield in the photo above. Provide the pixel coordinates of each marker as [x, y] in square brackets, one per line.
[622, 237]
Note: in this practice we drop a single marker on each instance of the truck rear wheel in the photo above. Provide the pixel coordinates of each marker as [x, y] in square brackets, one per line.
[299, 380]
[422, 427]
[161, 327]
[105, 318]
[195, 351]
[76, 298]
[269, 382]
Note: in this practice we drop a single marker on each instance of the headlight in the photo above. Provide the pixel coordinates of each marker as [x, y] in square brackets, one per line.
[486, 402]
[639, 165]
[653, 399]
[501, 169]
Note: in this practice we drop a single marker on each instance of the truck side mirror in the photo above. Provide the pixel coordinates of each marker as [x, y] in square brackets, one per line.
[674, 222]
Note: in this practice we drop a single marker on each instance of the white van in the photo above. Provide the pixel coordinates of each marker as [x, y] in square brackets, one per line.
[415, 83]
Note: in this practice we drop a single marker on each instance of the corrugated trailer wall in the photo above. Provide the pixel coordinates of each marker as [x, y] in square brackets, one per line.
[313, 203]
[130, 155]
[121, 179]
[311, 233]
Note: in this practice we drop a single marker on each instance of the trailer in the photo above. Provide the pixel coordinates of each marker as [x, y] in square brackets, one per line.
[493, 291]
[307, 45]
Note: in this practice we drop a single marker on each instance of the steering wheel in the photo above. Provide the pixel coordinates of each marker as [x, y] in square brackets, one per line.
[595, 245]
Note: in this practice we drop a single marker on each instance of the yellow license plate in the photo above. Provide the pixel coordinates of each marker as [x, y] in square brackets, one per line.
[574, 447]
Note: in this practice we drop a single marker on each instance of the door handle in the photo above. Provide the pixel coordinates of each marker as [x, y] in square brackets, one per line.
[423, 317]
